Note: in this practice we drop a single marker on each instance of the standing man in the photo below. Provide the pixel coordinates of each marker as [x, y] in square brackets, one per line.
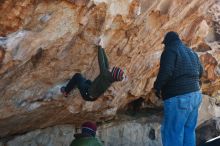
[178, 84]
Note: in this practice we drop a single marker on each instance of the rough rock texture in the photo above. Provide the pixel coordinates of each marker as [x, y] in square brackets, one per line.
[141, 129]
[43, 43]
[208, 122]
[207, 110]
[52, 136]
[142, 133]
[208, 130]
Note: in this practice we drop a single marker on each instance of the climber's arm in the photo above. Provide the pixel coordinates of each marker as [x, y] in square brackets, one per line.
[102, 58]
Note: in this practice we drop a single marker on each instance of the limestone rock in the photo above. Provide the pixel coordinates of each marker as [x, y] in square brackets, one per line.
[209, 109]
[142, 129]
[207, 131]
[52, 136]
[142, 133]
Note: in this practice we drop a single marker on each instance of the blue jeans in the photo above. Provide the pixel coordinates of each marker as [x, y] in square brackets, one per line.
[180, 119]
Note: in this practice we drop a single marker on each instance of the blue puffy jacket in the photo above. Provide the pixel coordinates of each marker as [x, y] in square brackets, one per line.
[180, 69]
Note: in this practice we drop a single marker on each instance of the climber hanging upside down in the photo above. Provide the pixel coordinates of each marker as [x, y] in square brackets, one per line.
[91, 90]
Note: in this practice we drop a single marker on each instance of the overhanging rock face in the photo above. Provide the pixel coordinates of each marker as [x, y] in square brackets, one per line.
[43, 43]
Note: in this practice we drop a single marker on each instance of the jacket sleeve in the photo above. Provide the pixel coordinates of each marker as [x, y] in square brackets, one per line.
[167, 65]
[103, 60]
[106, 60]
[200, 66]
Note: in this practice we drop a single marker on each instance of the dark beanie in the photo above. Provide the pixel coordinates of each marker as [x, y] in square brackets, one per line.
[89, 128]
[117, 74]
[170, 37]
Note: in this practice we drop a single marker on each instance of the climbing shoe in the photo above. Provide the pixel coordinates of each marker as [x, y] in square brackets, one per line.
[62, 90]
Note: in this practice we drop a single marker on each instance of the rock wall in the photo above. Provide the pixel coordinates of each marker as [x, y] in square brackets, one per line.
[141, 129]
[52, 136]
[43, 43]
[142, 133]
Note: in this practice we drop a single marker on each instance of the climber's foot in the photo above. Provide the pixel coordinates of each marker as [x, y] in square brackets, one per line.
[62, 90]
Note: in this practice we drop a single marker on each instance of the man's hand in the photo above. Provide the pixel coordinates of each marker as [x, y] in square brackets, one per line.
[157, 93]
[97, 41]
[200, 83]
[102, 42]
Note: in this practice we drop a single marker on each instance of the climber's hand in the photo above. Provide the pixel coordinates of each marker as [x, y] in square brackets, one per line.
[102, 42]
[97, 41]
[200, 83]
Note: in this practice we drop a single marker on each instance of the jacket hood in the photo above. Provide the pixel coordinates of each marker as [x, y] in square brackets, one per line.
[170, 37]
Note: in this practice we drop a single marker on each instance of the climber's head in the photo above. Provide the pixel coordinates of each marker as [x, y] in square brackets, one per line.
[118, 74]
[170, 37]
[89, 128]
